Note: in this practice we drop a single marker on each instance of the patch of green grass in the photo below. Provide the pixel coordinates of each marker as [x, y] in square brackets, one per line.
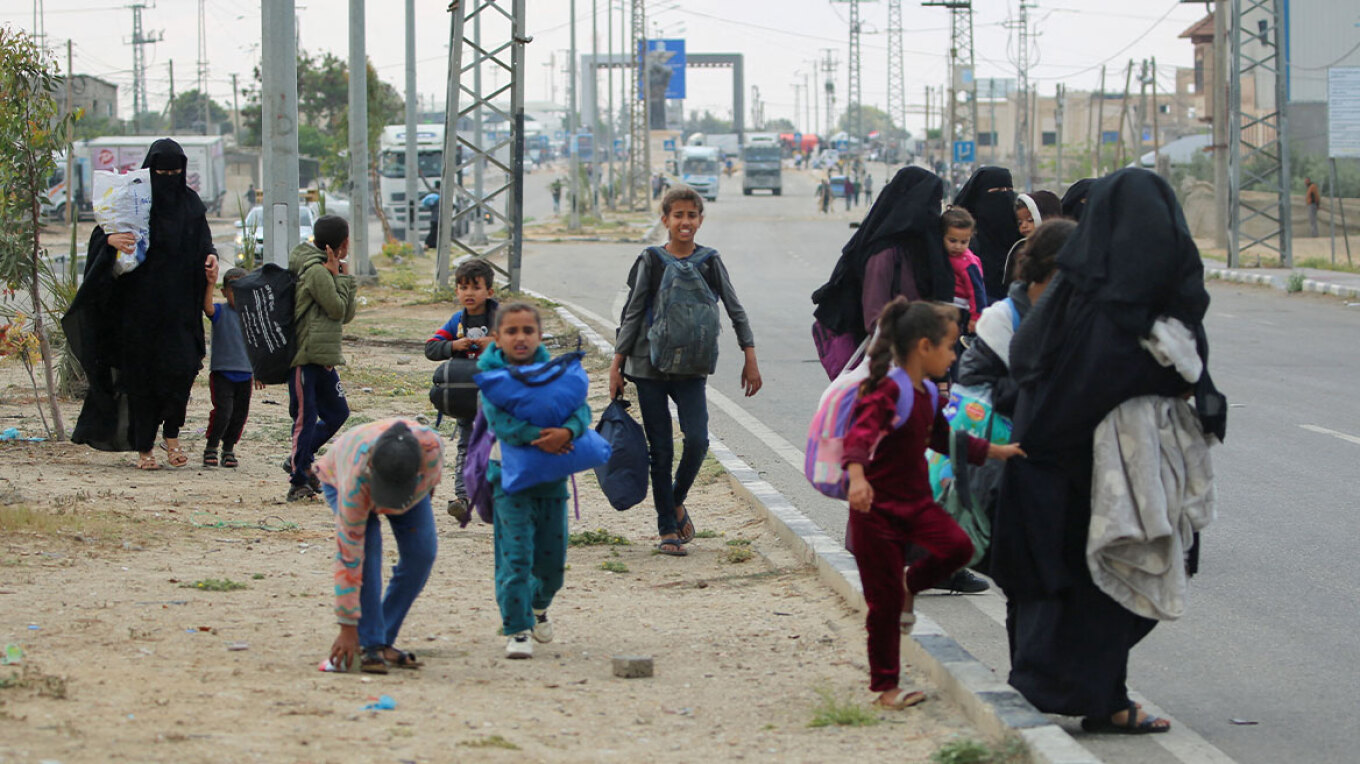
[613, 566]
[597, 537]
[832, 711]
[736, 542]
[1295, 282]
[99, 527]
[257, 577]
[738, 554]
[495, 741]
[215, 585]
[1326, 265]
[970, 751]
[707, 534]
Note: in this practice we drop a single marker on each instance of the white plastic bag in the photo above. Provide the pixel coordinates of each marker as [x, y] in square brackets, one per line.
[122, 204]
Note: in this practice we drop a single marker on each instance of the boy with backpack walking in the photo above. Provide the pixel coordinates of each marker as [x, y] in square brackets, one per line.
[465, 335]
[230, 375]
[323, 303]
[668, 346]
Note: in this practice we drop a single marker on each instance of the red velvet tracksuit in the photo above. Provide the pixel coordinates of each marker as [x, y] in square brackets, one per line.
[903, 512]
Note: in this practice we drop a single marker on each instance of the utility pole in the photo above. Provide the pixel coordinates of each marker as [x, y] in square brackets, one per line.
[412, 154]
[1142, 109]
[203, 64]
[594, 102]
[1059, 107]
[236, 110]
[639, 125]
[1156, 133]
[71, 212]
[854, 93]
[139, 40]
[574, 165]
[829, 67]
[993, 134]
[1219, 89]
[278, 61]
[499, 46]
[170, 104]
[613, 131]
[1099, 126]
[1258, 154]
[1123, 114]
[960, 121]
[1022, 95]
[897, 77]
[797, 102]
[358, 143]
[478, 234]
[930, 159]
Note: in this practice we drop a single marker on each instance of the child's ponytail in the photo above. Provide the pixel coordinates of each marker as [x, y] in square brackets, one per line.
[900, 326]
[880, 353]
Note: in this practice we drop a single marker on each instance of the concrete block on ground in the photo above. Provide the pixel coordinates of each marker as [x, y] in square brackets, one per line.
[632, 666]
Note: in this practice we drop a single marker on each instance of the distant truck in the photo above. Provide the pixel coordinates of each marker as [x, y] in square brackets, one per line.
[762, 163]
[700, 169]
[54, 204]
[207, 167]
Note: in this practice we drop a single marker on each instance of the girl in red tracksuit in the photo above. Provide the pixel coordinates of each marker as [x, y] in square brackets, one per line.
[890, 497]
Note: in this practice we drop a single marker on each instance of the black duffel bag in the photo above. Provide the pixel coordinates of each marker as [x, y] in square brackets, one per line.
[264, 300]
[452, 391]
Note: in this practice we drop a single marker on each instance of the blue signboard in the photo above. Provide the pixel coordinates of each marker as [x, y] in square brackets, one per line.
[1109, 136]
[585, 147]
[798, 140]
[965, 152]
[666, 67]
[668, 144]
[559, 135]
[843, 144]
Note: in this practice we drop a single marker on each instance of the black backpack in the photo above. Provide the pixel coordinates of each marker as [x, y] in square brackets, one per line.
[452, 391]
[264, 299]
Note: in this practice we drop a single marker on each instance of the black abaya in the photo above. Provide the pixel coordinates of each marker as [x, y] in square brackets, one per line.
[139, 336]
[1076, 357]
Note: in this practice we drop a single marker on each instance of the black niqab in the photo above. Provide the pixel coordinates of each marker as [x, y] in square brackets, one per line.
[1074, 201]
[996, 230]
[906, 214]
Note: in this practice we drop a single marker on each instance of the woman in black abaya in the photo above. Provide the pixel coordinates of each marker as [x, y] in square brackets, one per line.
[1076, 357]
[139, 336]
[991, 199]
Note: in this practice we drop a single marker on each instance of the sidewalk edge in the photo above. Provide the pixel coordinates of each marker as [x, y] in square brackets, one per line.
[1265, 279]
[995, 708]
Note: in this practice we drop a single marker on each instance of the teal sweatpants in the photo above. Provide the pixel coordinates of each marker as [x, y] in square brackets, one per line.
[531, 555]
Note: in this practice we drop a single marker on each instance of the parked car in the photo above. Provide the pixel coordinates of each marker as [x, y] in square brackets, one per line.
[254, 227]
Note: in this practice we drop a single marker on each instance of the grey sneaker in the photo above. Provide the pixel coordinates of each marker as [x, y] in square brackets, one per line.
[300, 493]
[458, 509]
[543, 628]
[520, 646]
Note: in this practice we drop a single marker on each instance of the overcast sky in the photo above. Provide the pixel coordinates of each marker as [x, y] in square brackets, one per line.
[778, 38]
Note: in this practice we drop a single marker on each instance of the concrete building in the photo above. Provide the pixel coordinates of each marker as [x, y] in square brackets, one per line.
[99, 98]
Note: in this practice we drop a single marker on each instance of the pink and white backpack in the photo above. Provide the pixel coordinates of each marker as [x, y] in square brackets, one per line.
[826, 434]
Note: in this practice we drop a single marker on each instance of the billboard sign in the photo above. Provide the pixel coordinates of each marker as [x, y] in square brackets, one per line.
[665, 67]
[1343, 112]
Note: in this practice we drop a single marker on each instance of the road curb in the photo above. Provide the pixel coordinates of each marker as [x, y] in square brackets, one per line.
[1266, 279]
[991, 705]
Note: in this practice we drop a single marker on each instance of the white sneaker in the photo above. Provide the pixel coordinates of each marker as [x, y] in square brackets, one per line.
[519, 646]
[543, 628]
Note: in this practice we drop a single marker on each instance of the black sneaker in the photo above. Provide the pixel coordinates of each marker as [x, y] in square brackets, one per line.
[458, 508]
[300, 493]
[963, 582]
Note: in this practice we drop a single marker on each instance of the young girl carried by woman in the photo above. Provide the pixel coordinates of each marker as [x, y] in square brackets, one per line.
[889, 486]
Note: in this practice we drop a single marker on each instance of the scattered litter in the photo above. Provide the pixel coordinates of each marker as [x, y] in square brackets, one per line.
[779, 613]
[33, 627]
[1244, 722]
[1237, 405]
[384, 703]
[12, 433]
[263, 524]
[270, 402]
[329, 667]
[13, 656]
[365, 389]
[237, 646]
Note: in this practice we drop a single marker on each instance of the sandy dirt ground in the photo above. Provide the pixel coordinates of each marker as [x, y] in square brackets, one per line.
[108, 580]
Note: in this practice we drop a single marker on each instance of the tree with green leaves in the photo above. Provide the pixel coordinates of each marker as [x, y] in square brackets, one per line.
[872, 119]
[186, 114]
[31, 134]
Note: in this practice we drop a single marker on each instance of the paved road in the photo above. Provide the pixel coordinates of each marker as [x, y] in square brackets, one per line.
[1268, 637]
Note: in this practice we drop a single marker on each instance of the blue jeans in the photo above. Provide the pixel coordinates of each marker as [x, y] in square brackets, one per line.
[316, 402]
[691, 401]
[531, 555]
[382, 613]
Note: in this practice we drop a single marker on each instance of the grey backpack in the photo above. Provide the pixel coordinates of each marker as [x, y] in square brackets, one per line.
[684, 317]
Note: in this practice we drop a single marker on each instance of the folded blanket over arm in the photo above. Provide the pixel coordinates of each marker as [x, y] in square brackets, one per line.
[1152, 489]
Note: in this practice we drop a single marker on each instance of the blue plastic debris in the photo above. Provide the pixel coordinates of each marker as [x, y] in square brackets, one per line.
[385, 703]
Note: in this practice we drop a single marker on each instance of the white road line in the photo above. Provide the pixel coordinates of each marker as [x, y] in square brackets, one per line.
[1333, 433]
[1181, 742]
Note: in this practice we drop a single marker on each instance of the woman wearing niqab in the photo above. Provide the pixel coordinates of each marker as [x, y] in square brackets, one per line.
[989, 196]
[899, 235]
[1074, 201]
[139, 336]
[1077, 357]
